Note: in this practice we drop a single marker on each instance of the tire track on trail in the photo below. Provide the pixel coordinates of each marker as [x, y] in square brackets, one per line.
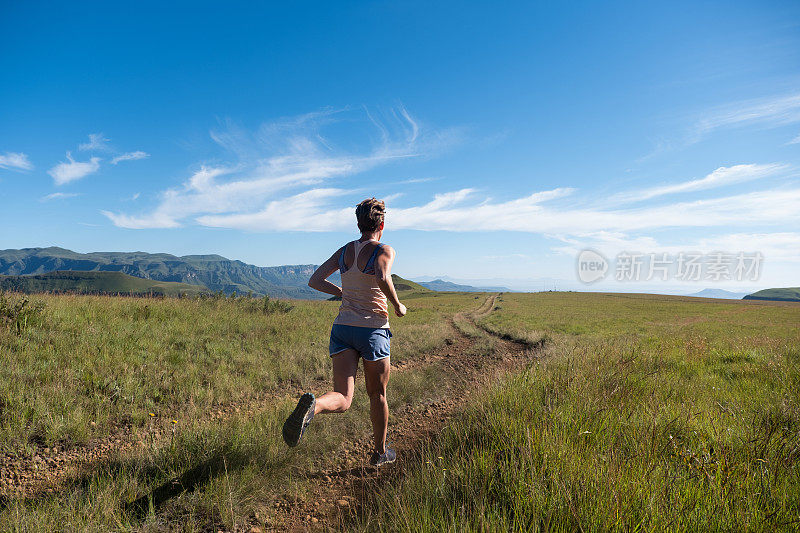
[339, 490]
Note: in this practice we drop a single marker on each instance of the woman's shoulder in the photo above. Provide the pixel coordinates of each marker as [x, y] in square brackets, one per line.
[382, 247]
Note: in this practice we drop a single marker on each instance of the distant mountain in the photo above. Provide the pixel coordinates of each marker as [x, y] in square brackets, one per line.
[215, 272]
[442, 285]
[96, 283]
[788, 294]
[719, 293]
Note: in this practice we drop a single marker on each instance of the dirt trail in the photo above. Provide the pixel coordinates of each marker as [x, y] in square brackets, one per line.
[337, 494]
[342, 488]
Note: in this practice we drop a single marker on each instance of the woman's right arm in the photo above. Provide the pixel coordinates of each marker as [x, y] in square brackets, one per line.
[319, 279]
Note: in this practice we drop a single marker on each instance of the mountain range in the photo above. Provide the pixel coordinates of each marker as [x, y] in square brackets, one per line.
[214, 272]
[442, 285]
[54, 269]
[83, 282]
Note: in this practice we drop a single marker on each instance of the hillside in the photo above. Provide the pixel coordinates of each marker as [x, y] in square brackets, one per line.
[215, 272]
[405, 285]
[787, 294]
[448, 286]
[96, 283]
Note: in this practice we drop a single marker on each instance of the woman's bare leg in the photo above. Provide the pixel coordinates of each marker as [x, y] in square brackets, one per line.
[345, 367]
[376, 374]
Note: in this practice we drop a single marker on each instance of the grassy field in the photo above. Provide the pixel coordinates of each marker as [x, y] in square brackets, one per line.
[77, 368]
[642, 413]
[645, 413]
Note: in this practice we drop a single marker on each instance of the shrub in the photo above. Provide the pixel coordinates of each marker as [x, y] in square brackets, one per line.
[18, 312]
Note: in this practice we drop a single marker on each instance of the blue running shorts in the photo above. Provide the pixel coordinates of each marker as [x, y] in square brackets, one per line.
[372, 344]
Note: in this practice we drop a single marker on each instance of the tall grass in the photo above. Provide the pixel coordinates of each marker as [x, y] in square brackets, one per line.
[113, 361]
[81, 365]
[647, 413]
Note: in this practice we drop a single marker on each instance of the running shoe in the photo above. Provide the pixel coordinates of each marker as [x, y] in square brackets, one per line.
[298, 421]
[380, 459]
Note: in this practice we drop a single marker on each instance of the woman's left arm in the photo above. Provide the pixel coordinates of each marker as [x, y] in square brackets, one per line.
[319, 279]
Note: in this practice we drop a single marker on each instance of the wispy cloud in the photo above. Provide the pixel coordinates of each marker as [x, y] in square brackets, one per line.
[285, 154]
[72, 170]
[774, 246]
[130, 156]
[412, 181]
[770, 112]
[796, 140]
[718, 178]
[58, 196]
[292, 176]
[96, 143]
[15, 161]
[464, 210]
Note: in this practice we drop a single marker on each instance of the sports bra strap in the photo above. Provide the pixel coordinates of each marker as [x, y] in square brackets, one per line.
[357, 247]
[371, 261]
[341, 259]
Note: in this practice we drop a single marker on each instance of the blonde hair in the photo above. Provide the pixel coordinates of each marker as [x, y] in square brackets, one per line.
[369, 215]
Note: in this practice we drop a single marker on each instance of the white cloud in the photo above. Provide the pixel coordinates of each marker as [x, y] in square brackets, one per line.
[775, 247]
[15, 161]
[461, 211]
[299, 212]
[58, 196]
[718, 178]
[96, 143]
[281, 182]
[770, 112]
[780, 246]
[151, 221]
[130, 156]
[412, 181]
[796, 140]
[72, 170]
[282, 155]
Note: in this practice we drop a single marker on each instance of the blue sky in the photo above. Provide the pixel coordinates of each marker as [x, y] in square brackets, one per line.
[504, 137]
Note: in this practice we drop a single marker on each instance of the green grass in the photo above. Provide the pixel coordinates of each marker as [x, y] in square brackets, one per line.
[90, 363]
[646, 413]
[788, 294]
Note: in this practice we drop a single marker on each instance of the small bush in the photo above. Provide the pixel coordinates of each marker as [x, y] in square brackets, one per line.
[269, 306]
[18, 312]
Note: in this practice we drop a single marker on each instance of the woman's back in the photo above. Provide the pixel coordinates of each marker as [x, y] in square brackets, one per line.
[363, 301]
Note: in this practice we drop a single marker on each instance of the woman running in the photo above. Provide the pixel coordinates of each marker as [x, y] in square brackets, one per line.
[360, 330]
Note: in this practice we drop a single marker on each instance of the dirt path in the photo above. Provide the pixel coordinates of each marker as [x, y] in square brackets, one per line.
[341, 489]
